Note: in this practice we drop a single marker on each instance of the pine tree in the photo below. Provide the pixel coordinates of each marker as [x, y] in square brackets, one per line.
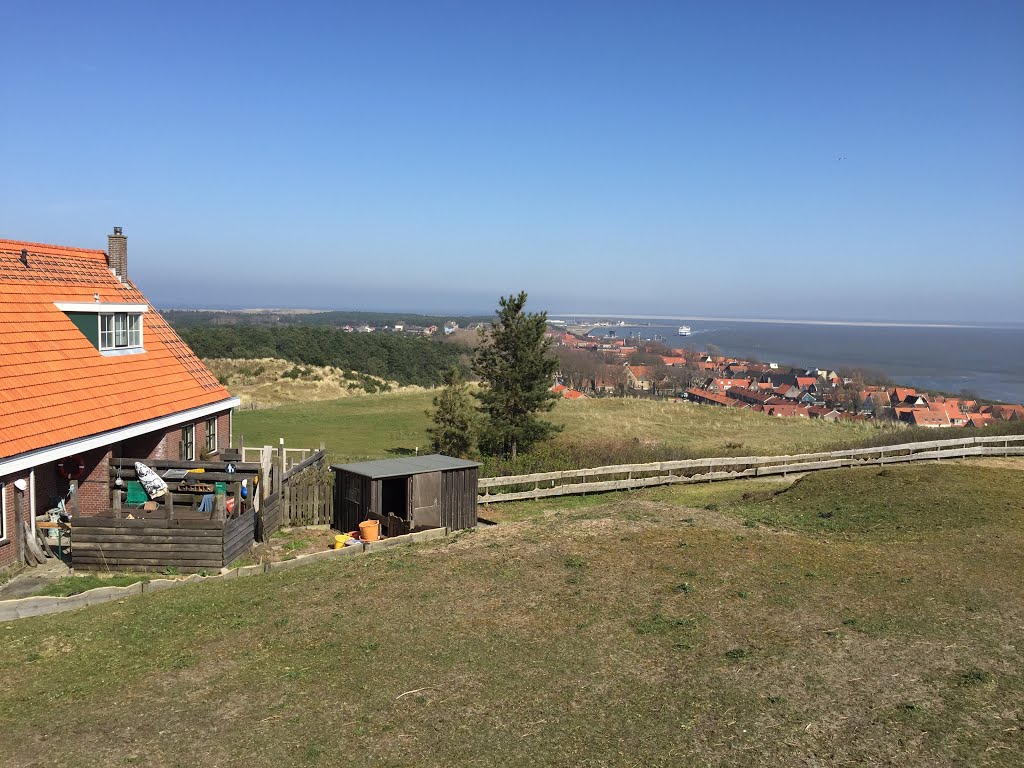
[454, 417]
[516, 368]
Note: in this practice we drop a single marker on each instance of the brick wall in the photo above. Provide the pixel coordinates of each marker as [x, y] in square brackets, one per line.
[94, 484]
[9, 545]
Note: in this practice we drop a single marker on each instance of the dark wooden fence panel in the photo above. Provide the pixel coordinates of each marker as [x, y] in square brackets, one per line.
[159, 544]
[270, 517]
[239, 536]
[307, 493]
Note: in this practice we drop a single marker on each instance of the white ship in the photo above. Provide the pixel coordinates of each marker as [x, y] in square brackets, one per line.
[684, 330]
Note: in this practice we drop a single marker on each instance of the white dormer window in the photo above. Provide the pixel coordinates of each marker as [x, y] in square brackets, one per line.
[113, 328]
[120, 330]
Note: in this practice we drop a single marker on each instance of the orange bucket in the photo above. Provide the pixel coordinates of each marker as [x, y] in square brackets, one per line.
[369, 530]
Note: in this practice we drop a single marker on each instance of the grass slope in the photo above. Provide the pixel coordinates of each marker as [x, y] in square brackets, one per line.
[626, 629]
[376, 426]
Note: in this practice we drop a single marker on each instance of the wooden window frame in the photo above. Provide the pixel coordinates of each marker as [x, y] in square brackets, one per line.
[211, 430]
[188, 442]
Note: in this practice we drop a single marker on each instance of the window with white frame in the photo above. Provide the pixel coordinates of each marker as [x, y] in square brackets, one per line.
[211, 435]
[188, 443]
[3, 510]
[120, 330]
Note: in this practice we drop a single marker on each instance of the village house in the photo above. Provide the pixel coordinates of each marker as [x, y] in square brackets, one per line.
[752, 396]
[723, 385]
[89, 372]
[823, 412]
[1004, 412]
[706, 397]
[639, 378]
[783, 410]
[979, 420]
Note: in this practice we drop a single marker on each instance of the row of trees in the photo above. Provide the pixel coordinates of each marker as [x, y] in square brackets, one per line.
[405, 359]
[583, 370]
[516, 367]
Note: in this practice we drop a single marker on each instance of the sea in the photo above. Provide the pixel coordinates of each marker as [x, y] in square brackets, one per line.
[985, 361]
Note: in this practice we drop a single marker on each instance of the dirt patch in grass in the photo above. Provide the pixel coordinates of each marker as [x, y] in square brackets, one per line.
[288, 543]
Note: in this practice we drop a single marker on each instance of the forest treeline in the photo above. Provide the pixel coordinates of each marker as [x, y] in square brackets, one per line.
[405, 359]
[188, 318]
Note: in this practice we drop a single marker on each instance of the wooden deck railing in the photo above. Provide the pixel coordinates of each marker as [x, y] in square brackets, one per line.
[629, 476]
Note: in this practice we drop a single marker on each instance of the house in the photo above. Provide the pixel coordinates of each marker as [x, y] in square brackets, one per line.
[784, 410]
[926, 417]
[573, 394]
[1004, 412]
[751, 396]
[89, 372]
[722, 385]
[873, 400]
[823, 412]
[979, 420]
[950, 408]
[639, 377]
[906, 396]
[706, 397]
[788, 391]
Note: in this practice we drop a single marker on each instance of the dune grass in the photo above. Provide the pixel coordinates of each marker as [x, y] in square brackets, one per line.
[627, 629]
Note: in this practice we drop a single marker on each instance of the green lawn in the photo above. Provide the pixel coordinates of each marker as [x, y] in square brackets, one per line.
[377, 426]
[372, 426]
[667, 627]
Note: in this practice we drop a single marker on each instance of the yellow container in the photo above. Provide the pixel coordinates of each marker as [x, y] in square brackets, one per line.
[340, 539]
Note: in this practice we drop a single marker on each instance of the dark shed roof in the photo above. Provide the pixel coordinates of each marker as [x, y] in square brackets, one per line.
[417, 465]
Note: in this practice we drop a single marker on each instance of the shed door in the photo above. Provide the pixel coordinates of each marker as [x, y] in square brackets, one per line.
[426, 505]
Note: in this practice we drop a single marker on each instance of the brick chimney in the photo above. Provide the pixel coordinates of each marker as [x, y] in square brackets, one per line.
[117, 253]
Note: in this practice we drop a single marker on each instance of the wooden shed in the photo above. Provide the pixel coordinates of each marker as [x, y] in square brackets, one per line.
[405, 495]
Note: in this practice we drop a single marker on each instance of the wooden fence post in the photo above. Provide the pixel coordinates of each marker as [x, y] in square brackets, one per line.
[73, 484]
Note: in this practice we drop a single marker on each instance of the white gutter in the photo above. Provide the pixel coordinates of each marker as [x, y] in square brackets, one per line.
[99, 307]
[31, 459]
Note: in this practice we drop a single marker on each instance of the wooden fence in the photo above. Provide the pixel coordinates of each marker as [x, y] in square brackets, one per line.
[629, 476]
[307, 492]
[188, 546]
[290, 456]
[295, 487]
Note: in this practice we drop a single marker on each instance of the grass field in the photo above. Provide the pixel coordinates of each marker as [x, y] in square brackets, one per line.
[740, 624]
[376, 426]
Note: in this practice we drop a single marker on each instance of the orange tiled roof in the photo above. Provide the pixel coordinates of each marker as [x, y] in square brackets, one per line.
[54, 385]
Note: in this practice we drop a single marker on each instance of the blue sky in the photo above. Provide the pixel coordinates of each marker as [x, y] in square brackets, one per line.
[840, 160]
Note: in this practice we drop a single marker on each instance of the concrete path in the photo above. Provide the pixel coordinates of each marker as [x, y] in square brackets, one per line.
[31, 580]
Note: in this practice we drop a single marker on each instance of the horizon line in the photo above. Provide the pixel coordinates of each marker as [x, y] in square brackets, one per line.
[717, 319]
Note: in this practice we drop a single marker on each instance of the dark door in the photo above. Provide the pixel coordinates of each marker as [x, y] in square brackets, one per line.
[426, 505]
